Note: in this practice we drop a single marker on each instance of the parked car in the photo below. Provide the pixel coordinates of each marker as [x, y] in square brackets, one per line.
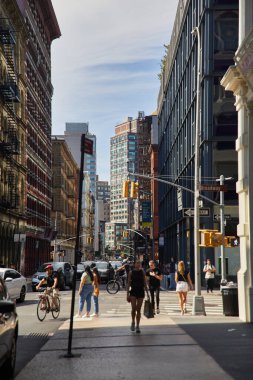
[80, 268]
[8, 333]
[64, 270]
[15, 283]
[105, 270]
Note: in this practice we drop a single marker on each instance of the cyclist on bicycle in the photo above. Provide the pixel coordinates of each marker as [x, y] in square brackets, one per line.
[50, 281]
[123, 271]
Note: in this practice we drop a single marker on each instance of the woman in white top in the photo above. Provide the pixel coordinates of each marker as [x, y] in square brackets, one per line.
[209, 270]
[85, 292]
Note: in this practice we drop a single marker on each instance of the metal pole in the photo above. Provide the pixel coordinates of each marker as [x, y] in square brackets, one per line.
[78, 229]
[198, 306]
[222, 230]
[55, 228]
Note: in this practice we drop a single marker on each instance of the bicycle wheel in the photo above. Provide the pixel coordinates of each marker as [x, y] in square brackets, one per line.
[112, 287]
[41, 310]
[56, 309]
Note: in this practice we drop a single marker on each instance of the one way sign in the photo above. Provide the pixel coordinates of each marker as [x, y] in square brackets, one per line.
[190, 212]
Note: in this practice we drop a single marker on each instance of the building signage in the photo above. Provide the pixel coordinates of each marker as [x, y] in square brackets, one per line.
[88, 146]
[146, 213]
[190, 212]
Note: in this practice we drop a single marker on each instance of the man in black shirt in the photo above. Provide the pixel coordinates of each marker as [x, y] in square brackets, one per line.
[154, 277]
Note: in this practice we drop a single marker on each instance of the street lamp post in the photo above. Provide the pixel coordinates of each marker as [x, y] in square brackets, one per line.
[198, 306]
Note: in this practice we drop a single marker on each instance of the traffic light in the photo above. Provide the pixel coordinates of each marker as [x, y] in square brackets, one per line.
[231, 241]
[210, 238]
[134, 189]
[125, 189]
[125, 233]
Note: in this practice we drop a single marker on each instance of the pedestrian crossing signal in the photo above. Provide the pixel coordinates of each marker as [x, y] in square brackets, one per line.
[210, 238]
[231, 241]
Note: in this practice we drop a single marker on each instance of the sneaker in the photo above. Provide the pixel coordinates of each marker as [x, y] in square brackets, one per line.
[78, 316]
[138, 331]
[86, 316]
[158, 311]
[94, 315]
[132, 327]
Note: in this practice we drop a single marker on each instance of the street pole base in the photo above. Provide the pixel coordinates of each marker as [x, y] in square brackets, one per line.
[198, 305]
[69, 355]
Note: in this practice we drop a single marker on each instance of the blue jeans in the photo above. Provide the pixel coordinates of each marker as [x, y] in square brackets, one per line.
[95, 300]
[85, 295]
[172, 282]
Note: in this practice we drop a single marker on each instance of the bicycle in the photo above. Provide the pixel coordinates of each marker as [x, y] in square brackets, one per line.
[44, 305]
[113, 286]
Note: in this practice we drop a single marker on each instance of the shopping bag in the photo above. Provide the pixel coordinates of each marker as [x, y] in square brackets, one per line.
[148, 310]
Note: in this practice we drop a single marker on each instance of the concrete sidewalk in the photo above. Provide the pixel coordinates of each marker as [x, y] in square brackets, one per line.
[187, 347]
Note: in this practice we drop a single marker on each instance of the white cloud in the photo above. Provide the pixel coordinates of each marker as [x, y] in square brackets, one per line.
[106, 62]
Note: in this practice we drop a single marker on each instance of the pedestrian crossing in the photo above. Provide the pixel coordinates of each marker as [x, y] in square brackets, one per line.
[116, 305]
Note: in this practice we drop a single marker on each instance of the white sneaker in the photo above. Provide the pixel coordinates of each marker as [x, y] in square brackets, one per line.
[86, 316]
[94, 315]
[78, 316]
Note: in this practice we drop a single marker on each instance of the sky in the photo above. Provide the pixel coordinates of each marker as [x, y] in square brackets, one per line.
[105, 65]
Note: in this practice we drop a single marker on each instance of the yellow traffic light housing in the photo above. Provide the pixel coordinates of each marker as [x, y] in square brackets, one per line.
[125, 189]
[134, 189]
[125, 233]
[210, 238]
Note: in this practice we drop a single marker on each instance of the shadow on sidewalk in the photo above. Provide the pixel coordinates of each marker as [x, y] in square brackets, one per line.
[229, 344]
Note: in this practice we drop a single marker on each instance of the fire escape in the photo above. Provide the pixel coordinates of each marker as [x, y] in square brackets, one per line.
[9, 93]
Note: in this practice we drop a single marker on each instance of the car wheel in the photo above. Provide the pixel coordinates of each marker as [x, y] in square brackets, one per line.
[22, 294]
[9, 366]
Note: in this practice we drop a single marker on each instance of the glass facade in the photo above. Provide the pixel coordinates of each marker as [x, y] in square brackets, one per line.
[218, 25]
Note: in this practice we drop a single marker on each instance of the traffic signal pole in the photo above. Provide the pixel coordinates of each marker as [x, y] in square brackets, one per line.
[222, 230]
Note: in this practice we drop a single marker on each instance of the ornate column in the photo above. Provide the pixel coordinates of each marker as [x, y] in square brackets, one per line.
[235, 81]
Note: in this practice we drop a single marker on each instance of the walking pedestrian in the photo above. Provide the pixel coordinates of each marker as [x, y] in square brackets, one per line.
[209, 270]
[183, 279]
[96, 283]
[136, 286]
[154, 277]
[85, 293]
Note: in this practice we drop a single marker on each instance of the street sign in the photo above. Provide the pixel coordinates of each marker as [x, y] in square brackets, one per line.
[216, 217]
[213, 188]
[190, 212]
[88, 146]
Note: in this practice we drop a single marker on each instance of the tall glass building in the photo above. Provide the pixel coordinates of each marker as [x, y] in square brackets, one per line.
[217, 21]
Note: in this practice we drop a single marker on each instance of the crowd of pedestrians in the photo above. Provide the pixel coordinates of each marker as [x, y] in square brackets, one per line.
[140, 281]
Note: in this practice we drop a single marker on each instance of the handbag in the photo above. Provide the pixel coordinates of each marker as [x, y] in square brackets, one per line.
[148, 310]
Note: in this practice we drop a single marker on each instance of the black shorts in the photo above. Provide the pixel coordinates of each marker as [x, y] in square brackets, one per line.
[137, 292]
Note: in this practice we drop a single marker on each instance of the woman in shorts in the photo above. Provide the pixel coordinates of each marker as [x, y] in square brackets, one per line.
[182, 279]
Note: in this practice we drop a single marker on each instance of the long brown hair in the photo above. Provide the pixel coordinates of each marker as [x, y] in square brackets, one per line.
[95, 271]
[181, 267]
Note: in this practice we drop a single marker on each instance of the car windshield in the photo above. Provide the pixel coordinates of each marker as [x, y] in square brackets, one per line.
[101, 265]
[56, 266]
